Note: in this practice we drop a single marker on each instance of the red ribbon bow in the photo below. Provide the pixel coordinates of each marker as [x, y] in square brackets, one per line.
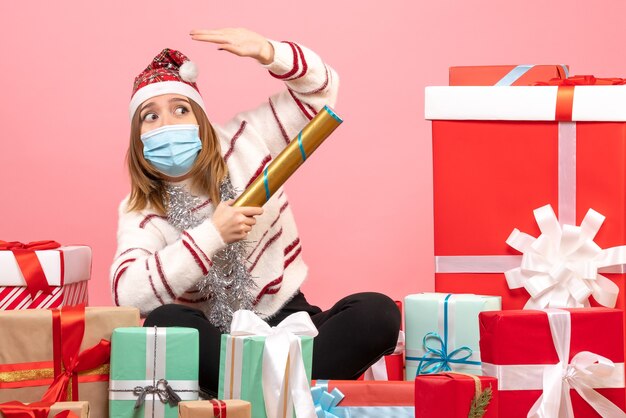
[16, 409]
[565, 94]
[582, 80]
[68, 330]
[29, 263]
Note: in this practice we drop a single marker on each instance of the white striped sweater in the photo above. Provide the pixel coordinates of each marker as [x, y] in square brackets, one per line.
[156, 264]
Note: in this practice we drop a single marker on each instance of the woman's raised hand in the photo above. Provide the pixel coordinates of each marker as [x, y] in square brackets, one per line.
[234, 223]
[239, 41]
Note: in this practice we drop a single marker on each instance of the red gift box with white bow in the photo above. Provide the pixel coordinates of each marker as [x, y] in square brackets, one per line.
[556, 362]
[501, 152]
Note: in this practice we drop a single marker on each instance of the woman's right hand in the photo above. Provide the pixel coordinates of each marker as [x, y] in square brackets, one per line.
[234, 223]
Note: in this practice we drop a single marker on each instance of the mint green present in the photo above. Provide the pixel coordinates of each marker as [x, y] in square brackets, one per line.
[442, 332]
[287, 382]
[152, 368]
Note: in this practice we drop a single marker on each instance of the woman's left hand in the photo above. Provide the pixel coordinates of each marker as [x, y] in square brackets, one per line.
[239, 41]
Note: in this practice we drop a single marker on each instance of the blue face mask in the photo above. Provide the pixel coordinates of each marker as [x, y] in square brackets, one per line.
[172, 149]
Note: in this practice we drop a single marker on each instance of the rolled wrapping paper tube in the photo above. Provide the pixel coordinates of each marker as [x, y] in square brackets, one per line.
[290, 159]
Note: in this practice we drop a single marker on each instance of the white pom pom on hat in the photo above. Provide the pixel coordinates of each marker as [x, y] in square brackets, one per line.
[189, 71]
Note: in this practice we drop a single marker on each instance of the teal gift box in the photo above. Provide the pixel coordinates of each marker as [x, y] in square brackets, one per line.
[156, 365]
[442, 332]
[241, 370]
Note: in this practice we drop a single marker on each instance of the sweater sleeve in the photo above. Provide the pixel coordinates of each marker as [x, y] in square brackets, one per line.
[310, 85]
[147, 271]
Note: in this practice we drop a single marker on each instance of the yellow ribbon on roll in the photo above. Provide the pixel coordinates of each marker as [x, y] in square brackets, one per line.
[290, 159]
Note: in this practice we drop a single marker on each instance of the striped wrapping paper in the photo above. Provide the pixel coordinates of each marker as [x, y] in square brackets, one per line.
[18, 297]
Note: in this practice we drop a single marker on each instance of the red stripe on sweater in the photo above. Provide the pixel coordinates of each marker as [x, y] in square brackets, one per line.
[116, 274]
[280, 125]
[116, 278]
[300, 105]
[266, 288]
[152, 285]
[201, 205]
[148, 218]
[292, 246]
[133, 249]
[272, 291]
[242, 127]
[294, 67]
[305, 67]
[193, 241]
[162, 276]
[202, 299]
[283, 207]
[194, 254]
[323, 86]
[311, 108]
[293, 257]
[117, 302]
[266, 160]
[265, 247]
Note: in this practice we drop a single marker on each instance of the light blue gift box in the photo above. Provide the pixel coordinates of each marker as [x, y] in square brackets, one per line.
[442, 332]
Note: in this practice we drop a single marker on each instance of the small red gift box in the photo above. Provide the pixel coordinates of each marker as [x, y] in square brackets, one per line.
[451, 395]
[547, 359]
[508, 75]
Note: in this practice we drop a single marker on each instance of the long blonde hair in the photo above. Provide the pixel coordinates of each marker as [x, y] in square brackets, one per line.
[147, 187]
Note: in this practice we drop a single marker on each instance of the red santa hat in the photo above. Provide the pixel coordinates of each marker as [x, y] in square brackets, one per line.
[170, 72]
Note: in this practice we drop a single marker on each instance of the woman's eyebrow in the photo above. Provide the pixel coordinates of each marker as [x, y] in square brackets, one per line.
[178, 99]
[149, 105]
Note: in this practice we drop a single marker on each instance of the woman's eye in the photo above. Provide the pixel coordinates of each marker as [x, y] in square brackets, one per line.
[181, 110]
[150, 117]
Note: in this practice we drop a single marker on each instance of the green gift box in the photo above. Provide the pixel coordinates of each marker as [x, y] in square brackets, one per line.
[442, 332]
[151, 367]
[241, 370]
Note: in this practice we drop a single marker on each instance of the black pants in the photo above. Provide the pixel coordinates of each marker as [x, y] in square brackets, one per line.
[353, 334]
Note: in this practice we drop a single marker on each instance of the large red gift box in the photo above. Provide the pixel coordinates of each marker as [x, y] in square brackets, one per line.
[520, 348]
[501, 152]
[450, 395]
[43, 274]
[509, 75]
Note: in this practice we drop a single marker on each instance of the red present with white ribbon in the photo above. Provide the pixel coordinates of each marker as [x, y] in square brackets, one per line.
[43, 274]
[504, 75]
[556, 362]
[500, 152]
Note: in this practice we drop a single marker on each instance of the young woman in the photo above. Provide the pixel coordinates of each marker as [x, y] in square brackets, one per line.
[186, 256]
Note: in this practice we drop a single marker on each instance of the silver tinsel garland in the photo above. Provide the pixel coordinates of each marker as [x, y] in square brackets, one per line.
[228, 284]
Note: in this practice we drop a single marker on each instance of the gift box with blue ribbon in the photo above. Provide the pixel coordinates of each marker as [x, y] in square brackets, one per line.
[442, 332]
[363, 399]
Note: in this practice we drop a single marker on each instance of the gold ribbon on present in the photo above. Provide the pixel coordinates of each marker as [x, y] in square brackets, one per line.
[290, 159]
[69, 364]
[481, 398]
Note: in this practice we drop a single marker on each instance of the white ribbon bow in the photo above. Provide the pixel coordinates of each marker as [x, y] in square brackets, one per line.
[285, 384]
[560, 268]
[581, 374]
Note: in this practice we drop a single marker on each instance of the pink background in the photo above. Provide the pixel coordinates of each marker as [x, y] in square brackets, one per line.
[363, 202]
